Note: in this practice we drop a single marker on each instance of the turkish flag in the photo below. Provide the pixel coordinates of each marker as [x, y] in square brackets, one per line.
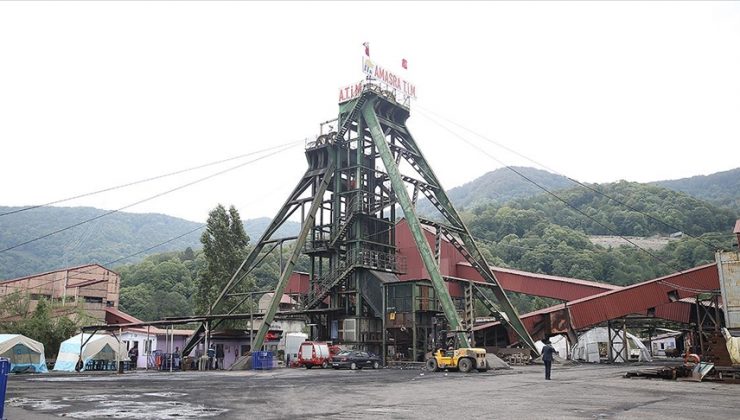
[405, 64]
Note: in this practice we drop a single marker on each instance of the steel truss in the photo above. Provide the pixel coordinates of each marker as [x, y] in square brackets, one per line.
[356, 183]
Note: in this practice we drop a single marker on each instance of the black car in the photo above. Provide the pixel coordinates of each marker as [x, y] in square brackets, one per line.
[355, 359]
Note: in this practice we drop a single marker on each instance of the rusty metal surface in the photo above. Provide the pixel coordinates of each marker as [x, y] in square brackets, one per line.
[728, 265]
[642, 296]
[647, 298]
[561, 288]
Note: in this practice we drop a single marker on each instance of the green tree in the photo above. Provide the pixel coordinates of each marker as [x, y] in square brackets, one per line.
[160, 286]
[224, 248]
[42, 325]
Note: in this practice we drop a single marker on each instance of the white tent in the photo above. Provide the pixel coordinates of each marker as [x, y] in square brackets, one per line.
[98, 347]
[25, 354]
[559, 343]
[593, 345]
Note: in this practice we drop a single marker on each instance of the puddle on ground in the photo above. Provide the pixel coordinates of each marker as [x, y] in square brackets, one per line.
[121, 406]
[31, 404]
[99, 397]
[165, 394]
[153, 410]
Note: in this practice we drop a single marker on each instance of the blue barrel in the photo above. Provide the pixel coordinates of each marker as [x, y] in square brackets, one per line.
[4, 370]
[262, 360]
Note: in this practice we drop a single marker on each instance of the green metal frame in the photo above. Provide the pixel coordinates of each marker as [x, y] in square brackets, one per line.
[283, 281]
[250, 262]
[399, 188]
[387, 137]
[433, 190]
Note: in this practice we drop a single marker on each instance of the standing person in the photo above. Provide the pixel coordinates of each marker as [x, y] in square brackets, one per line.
[133, 354]
[220, 356]
[211, 356]
[547, 353]
[176, 357]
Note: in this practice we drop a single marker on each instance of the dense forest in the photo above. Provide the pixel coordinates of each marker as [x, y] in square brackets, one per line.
[539, 234]
[720, 189]
[165, 284]
[500, 186]
[516, 226]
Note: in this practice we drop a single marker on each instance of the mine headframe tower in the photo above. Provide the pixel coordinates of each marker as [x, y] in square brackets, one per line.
[353, 186]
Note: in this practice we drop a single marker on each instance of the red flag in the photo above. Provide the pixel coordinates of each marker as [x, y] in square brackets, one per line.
[405, 64]
[367, 48]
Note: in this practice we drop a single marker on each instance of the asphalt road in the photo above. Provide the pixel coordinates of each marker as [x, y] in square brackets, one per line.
[583, 391]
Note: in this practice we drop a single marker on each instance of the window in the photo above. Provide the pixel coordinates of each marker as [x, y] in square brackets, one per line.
[148, 346]
[93, 299]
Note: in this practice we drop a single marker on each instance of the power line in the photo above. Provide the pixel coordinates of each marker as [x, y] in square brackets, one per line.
[485, 152]
[588, 187]
[141, 181]
[147, 199]
[199, 227]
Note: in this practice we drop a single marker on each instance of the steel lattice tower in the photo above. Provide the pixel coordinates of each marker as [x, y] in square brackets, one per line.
[353, 187]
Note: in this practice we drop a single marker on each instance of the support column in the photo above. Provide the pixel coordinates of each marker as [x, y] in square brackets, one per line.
[610, 345]
[308, 223]
[413, 320]
[413, 222]
[384, 349]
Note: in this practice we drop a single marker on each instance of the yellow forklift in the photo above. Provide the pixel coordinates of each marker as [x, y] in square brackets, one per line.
[464, 359]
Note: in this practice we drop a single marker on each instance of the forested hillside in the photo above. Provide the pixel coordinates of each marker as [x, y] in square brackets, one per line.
[543, 235]
[164, 284]
[656, 211]
[539, 234]
[721, 188]
[105, 239]
[500, 186]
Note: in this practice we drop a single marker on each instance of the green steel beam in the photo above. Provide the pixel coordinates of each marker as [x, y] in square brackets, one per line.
[399, 187]
[283, 281]
[246, 266]
[476, 257]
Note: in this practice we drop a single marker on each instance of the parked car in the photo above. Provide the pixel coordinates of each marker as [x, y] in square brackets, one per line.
[355, 359]
[314, 353]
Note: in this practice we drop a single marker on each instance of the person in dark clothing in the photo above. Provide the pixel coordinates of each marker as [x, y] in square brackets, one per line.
[133, 354]
[547, 353]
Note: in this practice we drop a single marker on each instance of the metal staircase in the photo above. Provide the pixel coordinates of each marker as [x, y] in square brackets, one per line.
[469, 315]
[325, 284]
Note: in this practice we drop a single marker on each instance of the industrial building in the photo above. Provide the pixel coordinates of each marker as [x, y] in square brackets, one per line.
[91, 287]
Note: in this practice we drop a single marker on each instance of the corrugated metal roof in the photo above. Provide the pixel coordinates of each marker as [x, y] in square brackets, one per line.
[58, 271]
[384, 277]
[642, 296]
[536, 284]
[634, 299]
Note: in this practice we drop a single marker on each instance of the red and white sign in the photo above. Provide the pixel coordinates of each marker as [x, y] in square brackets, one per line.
[389, 78]
[378, 75]
[350, 92]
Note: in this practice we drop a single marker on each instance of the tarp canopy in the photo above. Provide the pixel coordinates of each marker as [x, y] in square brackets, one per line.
[25, 354]
[593, 346]
[559, 343]
[99, 347]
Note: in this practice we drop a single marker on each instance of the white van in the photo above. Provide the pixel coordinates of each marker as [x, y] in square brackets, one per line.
[292, 346]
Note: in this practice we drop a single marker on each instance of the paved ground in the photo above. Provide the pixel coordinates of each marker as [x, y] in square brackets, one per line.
[584, 391]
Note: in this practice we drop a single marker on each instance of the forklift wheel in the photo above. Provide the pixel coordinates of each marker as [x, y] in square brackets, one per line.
[465, 365]
[432, 365]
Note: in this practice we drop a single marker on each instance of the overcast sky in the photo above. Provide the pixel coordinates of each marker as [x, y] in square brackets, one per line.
[98, 94]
